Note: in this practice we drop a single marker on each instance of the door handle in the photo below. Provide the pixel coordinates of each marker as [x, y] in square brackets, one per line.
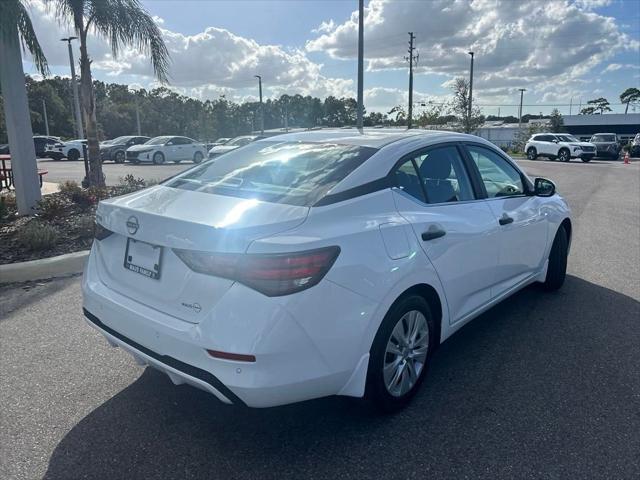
[505, 220]
[432, 234]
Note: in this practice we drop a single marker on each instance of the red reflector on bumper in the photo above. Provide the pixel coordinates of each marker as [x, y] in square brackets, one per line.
[238, 357]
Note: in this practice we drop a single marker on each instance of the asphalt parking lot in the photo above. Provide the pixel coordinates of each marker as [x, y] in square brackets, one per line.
[541, 386]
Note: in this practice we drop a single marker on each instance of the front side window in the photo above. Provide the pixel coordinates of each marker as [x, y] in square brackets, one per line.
[500, 178]
[293, 173]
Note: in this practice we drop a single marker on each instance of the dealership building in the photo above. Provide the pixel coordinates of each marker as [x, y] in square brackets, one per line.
[626, 126]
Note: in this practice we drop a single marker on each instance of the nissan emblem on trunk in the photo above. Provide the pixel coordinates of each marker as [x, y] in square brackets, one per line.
[132, 225]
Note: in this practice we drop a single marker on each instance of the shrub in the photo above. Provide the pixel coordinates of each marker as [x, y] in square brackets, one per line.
[129, 184]
[51, 206]
[4, 209]
[83, 198]
[69, 188]
[86, 227]
[37, 236]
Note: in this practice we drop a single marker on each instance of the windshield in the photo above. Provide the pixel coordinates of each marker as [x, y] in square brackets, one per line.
[122, 139]
[158, 141]
[222, 140]
[279, 172]
[568, 138]
[240, 141]
[603, 138]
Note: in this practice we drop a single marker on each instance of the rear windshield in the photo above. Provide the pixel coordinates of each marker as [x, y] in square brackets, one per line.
[279, 172]
[603, 138]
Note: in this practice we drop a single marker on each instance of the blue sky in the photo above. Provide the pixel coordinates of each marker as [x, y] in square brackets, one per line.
[561, 51]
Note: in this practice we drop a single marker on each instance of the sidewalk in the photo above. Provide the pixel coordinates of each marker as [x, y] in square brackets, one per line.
[49, 187]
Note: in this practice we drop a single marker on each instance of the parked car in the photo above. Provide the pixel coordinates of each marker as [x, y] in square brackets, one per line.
[167, 149]
[232, 144]
[48, 147]
[115, 149]
[330, 262]
[559, 146]
[72, 149]
[607, 145]
[219, 141]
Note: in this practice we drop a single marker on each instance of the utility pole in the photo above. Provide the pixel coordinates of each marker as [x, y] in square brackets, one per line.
[522, 90]
[44, 113]
[570, 105]
[261, 106]
[360, 121]
[74, 84]
[411, 58]
[470, 93]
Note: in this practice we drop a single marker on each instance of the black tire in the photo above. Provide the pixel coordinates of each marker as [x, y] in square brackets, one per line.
[532, 153]
[564, 155]
[376, 390]
[197, 157]
[73, 155]
[158, 158]
[119, 156]
[557, 270]
[586, 159]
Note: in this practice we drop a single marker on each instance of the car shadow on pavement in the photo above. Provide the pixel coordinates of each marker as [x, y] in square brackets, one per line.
[541, 385]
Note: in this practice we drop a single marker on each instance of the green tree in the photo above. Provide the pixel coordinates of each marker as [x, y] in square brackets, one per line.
[398, 114]
[596, 106]
[16, 29]
[630, 96]
[556, 122]
[460, 106]
[122, 23]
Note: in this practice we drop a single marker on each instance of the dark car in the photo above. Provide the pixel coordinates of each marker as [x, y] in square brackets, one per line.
[607, 145]
[635, 146]
[115, 149]
[46, 147]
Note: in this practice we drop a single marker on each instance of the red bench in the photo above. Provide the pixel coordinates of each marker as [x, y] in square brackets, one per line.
[6, 173]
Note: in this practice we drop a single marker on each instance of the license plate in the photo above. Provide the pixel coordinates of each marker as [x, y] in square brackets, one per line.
[143, 258]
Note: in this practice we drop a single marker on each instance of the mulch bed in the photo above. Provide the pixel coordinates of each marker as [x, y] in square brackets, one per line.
[72, 217]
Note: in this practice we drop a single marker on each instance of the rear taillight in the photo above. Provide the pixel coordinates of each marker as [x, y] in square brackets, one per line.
[100, 233]
[271, 274]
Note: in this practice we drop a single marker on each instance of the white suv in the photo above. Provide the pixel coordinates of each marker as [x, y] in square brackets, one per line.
[559, 146]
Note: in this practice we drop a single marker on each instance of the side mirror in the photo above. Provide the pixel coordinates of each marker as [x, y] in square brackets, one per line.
[555, 140]
[543, 187]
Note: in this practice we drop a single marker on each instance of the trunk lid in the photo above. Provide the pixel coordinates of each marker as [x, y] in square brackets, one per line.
[172, 218]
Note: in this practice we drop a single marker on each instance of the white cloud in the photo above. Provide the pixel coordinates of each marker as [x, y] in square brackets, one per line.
[533, 44]
[207, 63]
[612, 67]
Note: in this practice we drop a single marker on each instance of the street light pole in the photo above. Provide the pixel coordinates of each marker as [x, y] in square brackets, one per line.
[360, 64]
[470, 93]
[522, 90]
[44, 113]
[74, 84]
[261, 106]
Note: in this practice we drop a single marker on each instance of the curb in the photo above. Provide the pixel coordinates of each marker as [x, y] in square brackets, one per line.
[67, 264]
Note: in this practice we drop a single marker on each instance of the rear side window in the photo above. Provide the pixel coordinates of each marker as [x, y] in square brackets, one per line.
[500, 178]
[293, 173]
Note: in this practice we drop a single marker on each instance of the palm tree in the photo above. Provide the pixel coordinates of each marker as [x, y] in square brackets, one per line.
[121, 22]
[16, 29]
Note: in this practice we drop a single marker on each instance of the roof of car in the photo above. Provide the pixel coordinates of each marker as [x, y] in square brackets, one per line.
[367, 137]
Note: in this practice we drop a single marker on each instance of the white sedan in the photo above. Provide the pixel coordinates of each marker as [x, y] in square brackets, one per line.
[320, 263]
[167, 149]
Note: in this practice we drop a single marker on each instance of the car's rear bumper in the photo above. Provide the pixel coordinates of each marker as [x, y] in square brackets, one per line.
[292, 362]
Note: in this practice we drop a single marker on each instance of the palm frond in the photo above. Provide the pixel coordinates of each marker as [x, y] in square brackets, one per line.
[123, 23]
[14, 16]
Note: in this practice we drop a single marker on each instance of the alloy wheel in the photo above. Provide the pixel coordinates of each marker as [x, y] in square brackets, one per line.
[406, 353]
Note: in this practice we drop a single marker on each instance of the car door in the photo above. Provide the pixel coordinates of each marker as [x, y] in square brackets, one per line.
[521, 217]
[456, 229]
[171, 150]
